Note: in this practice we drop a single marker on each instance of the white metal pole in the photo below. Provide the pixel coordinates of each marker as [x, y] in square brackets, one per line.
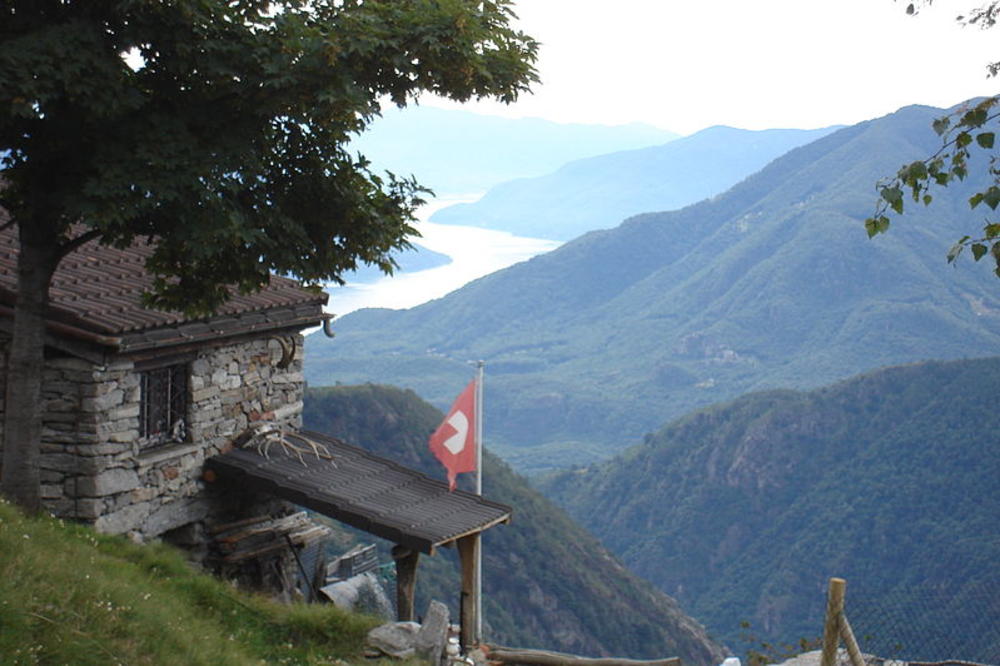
[480, 418]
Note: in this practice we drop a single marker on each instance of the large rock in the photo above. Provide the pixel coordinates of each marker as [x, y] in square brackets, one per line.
[395, 639]
[433, 635]
[361, 594]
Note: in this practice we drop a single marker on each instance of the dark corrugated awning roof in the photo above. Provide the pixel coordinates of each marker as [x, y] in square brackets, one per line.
[361, 489]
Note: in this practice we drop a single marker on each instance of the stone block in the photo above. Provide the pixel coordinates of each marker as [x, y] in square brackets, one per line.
[64, 462]
[108, 482]
[172, 515]
[204, 394]
[105, 449]
[123, 520]
[124, 436]
[104, 402]
[51, 476]
[142, 494]
[51, 491]
[87, 508]
[68, 363]
[128, 411]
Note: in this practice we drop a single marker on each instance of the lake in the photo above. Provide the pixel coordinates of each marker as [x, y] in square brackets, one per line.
[474, 252]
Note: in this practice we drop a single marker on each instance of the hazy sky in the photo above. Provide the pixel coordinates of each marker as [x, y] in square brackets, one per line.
[685, 65]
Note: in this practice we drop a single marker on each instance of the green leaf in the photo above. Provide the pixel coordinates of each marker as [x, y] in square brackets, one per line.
[955, 250]
[985, 140]
[916, 171]
[928, 199]
[974, 118]
[894, 197]
[991, 197]
[963, 139]
[991, 231]
[975, 199]
[941, 125]
[978, 251]
[876, 225]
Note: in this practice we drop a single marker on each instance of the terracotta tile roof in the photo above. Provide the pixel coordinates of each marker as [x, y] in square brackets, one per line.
[98, 289]
[361, 489]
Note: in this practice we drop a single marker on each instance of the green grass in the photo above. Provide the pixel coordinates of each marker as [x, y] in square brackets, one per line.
[71, 596]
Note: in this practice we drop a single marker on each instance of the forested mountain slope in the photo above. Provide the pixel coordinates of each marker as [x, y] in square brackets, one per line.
[742, 511]
[599, 192]
[547, 582]
[771, 284]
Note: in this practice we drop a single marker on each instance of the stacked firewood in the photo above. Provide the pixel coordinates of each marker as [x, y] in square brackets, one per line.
[264, 535]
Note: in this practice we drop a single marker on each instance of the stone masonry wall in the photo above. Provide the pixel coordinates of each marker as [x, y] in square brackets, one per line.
[93, 467]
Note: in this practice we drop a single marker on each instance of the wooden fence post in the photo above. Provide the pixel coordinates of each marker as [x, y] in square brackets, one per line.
[831, 626]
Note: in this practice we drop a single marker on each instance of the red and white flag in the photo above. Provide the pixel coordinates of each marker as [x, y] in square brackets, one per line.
[454, 441]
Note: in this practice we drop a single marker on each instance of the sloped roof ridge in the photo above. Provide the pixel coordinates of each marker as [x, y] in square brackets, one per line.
[99, 288]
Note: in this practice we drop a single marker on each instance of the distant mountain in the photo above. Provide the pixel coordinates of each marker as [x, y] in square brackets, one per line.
[547, 582]
[771, 284]
[599, 192]
[890, 480]
[459, 152]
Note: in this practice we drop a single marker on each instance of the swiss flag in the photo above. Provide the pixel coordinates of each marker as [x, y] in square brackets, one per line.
[454, 442]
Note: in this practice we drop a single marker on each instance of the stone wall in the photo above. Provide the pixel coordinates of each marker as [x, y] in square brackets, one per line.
[95, 468]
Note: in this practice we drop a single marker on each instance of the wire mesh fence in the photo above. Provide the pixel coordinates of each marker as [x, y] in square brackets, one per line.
[926, 624]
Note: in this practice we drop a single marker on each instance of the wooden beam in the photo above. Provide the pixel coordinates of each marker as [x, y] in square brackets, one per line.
[468, 548]
[406, 581]
[853, 650]
[509, 655]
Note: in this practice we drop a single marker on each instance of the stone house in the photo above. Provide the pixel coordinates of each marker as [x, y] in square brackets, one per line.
[137, 399]
[157, 425]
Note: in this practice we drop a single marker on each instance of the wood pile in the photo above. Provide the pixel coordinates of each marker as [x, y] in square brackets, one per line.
[264, 535]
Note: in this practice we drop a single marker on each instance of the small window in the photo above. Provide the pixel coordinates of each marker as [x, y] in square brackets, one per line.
[163, 405]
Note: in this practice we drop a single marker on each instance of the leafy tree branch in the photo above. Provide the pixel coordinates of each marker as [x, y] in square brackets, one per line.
[969, 129]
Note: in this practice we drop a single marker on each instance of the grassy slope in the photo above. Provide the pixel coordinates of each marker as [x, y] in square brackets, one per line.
[548, 583]
[71, 596]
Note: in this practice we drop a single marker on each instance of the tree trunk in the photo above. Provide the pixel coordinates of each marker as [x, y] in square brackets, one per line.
[25, 364]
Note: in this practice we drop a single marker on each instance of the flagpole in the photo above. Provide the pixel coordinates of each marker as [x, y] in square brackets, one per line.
[480, 417]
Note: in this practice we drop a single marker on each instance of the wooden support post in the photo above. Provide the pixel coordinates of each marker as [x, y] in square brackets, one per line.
[850, 642]
[406, 581]
[468, 551]
[831, 627]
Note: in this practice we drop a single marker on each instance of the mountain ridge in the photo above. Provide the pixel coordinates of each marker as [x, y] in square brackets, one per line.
[460, 152]
[597, 192]
[772, 283]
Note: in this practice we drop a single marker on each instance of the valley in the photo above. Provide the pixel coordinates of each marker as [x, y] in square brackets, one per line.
[770, 284]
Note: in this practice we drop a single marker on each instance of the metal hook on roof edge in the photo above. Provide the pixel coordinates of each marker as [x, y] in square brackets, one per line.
[327, 323]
